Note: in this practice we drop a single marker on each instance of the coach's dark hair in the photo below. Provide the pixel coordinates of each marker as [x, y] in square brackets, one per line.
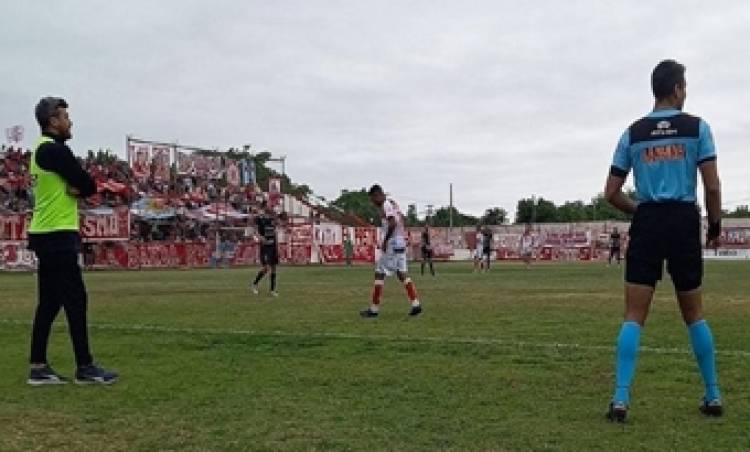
[375, 189]
[46, 109]
[665, 77]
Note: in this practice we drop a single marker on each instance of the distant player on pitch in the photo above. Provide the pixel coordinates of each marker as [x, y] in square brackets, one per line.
[665, 150]
[527, 247]
[266, 224]
[427, 251]
[478, 252]
[393, 257]
[614, 247]
[487, 247]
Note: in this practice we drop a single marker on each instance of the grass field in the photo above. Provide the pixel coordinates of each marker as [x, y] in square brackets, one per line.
[510, 360]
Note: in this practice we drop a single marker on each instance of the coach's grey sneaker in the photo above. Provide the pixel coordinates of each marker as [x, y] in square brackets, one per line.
[45, 376]
[274, 294]
[254, 289]
[712, 408]
[95, 375]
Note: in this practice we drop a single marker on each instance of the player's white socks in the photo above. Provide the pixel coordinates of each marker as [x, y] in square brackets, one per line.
[415, 303]
[374, 308]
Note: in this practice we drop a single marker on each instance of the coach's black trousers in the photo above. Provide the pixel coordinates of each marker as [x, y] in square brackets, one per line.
[60, 285]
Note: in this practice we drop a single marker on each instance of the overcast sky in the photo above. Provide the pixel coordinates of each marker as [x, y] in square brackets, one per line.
[503, 98]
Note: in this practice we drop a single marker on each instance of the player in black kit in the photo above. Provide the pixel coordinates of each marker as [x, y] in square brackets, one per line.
[427, 251]
[614, 247]
[265, 225]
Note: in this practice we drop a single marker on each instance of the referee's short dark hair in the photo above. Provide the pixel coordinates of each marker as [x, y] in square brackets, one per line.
[666, 75]
[375, 189]
[47, 109]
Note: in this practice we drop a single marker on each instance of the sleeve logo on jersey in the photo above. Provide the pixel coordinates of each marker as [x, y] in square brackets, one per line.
[663, 129]
[665, 152]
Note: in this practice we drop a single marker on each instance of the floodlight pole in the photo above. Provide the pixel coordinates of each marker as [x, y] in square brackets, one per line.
[281, 160]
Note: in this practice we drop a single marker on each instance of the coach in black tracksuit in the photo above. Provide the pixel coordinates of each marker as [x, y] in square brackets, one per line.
[54, 237]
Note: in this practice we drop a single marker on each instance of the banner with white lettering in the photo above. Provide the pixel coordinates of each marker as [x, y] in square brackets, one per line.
[97, 225]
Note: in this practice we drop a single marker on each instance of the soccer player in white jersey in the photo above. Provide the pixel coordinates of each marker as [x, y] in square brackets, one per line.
[527, 246]
[478, 256]
[393, 254]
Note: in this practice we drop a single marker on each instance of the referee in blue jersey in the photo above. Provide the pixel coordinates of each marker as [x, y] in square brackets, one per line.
[665, 150]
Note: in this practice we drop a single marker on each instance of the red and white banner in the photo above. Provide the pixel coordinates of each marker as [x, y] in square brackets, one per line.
[185, 164]
[330, 242]
[15, 256]
[295, 247]
[14, 134]
[139, 157]
[233, 174]
[274, 192]
[365, 243]
[442, 249]
[735, 237]
[161, 162]
[106, 225]
[13, 227]
[96, 226]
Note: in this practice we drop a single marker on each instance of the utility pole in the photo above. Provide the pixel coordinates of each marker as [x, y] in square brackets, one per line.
[533, 209]
[450, 209]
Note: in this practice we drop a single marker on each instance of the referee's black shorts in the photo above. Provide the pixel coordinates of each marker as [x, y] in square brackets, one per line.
[665, 231]
[269, 255]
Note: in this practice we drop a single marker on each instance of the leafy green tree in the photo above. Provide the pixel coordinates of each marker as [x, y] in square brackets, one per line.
[441, 217]
[540, 210]
[536, 210]
[602, 210]
[546, 211]
[524, 210]
[411, 218]
[495, 216]
[739, 212]
[573, 211]
[358, 203]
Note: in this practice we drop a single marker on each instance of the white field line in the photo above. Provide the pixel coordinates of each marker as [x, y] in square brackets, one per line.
[383, 337]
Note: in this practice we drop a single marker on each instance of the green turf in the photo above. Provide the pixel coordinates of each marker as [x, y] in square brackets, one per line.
[207, 366]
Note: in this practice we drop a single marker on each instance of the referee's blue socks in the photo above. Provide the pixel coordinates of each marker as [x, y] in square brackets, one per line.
[705, 354]
[627, 356]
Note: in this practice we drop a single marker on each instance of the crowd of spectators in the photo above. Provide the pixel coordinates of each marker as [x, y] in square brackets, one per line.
[15, 181]
[179, 200]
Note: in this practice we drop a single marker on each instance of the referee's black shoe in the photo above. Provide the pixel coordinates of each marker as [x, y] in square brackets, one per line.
[617, 412]
[95, 375]
[368, 313]
[712, 408]
[45, 376]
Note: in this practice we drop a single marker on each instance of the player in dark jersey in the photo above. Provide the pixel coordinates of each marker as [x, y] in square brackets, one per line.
[266, 224]
[427, 251]
[614, 246]
[487, 247]
[666, 150]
